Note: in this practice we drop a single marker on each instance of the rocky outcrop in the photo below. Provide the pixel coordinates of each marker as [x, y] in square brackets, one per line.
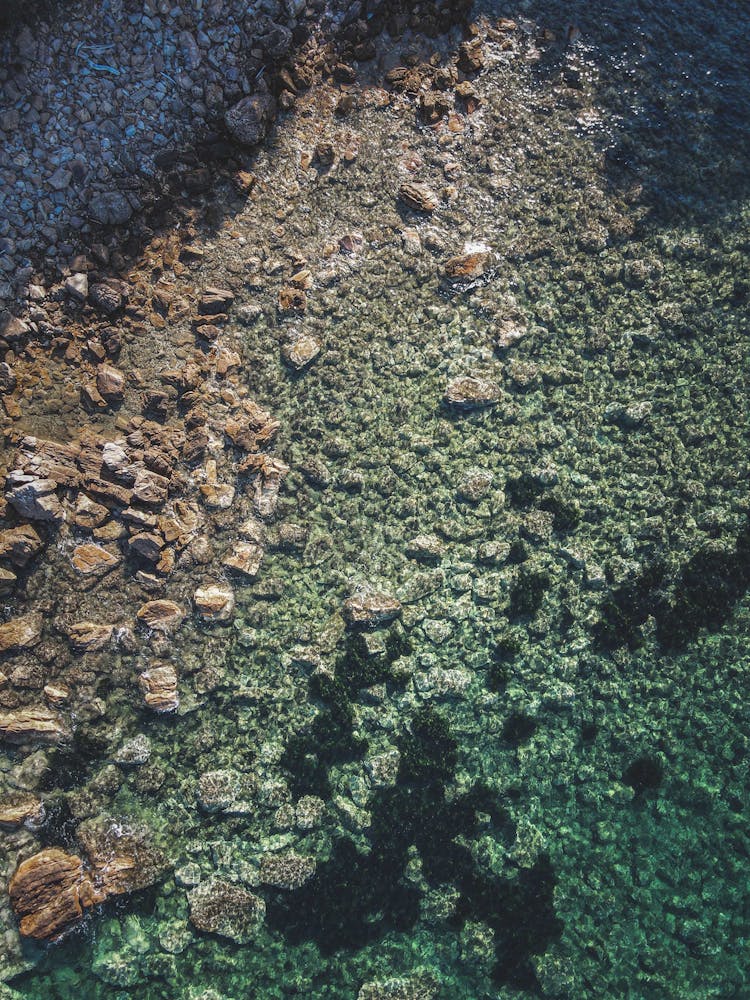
[50, 892]
[370, 609]
[469, 392]
[21, 808]
[221, 907]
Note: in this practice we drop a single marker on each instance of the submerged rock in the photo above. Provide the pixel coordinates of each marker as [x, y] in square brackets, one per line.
[87, 636]
[301, 352]
[244, 558]
[161, 615]
[159, 687]
[49, 893]
[220, 907]
[20, 633]
[21, 808]
[370, 609]
[286, 871]
[418, 197]
[214, 603]
[469, 392]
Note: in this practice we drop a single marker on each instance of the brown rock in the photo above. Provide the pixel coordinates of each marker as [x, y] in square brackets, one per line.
[32, 723]
[150, 488]
[418, 197]
[245, 558]
[301, 352]
[49, 893]
[214, 603]
[8, 581]
[292, 300]
[19, 808]
[161, 615]
[370, 609]
[94, 560]
[467, 265]
[87, 637]
[88, 513]
[159, 687]
[468, 392]
[20, 633]
[110, 382]
[18, 545]
[214, 301]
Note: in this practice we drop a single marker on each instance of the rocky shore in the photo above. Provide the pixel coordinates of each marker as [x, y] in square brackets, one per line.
[373, 505]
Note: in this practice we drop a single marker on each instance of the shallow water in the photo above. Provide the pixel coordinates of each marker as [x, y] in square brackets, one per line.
[566, 689]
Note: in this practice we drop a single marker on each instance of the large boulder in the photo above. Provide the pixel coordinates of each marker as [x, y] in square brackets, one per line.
[221, 907]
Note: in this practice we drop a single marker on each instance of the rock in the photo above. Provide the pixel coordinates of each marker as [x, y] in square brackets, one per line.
[110, 382]
[309, 812]
[292, 300]
[134, 752]
[110, 208]
[19, 545]
[370, 609]
[94, 560]
[248, 120]
[474, 484]
[8, 581]
[214, 602]
[419, 987]
[218, 495]
[86, 637]
[383, 768]
[150, 488]
[49, 893]
[106, 298]
[161, 615]
[214, 301]
[147, 545]
[36, 500]
[418, 197]
[508, 334]
[467, 265]
[301, 352]
[21, 809]
[77, 286]
[223, 791]
[220, 907]
[286, 871]
[20, 633]
[471, 56]
[88, 513]
[468, 392]
[159, 687]
[245, 558]
[32, 724]
[8, 379]
[425, 548]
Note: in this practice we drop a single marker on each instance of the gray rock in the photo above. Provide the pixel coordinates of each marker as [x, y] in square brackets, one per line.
[111, 208]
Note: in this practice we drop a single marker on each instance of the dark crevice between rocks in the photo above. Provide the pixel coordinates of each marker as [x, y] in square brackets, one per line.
[355, 898]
